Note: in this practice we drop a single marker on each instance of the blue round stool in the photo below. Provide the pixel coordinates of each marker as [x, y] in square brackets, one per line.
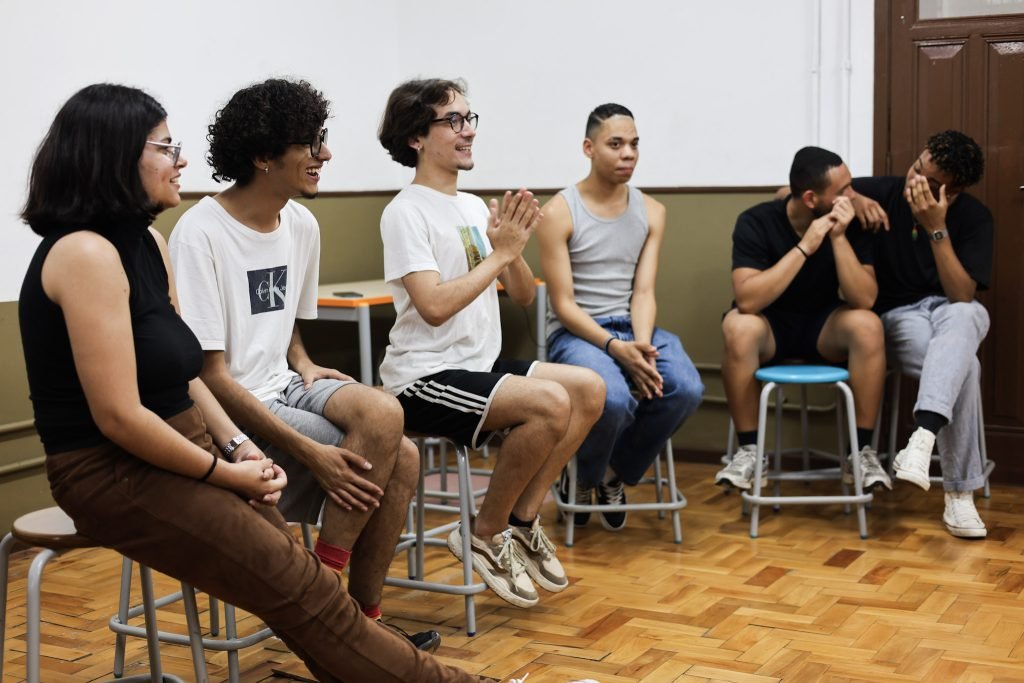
[774, 378]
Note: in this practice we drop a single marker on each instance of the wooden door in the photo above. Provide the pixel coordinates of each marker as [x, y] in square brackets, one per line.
[967, 74]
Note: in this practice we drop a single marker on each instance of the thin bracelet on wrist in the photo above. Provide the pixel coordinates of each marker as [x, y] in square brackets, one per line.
[608, 342]
[213, 466]
[801, 250]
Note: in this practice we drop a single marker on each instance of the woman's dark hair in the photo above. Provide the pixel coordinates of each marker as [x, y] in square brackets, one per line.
[602, 113]
[409, 112]
[810, 169]
[958, 155]
[260, 121]
[86, 170]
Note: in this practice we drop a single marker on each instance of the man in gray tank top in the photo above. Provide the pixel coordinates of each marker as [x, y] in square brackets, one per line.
[599, 244]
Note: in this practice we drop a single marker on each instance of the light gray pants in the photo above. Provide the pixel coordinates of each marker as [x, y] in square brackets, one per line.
[937, 342]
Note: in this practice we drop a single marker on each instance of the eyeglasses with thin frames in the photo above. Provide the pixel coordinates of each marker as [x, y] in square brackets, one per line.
[316, 145]
[172, 150]
[458, 121]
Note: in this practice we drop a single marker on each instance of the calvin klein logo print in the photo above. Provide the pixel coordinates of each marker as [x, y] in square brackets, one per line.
[267, 288]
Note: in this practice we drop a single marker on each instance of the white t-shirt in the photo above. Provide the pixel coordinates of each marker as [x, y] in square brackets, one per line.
[241, 290]
[424, 229]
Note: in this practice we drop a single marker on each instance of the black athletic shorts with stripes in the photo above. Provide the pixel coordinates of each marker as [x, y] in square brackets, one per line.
[454, 403]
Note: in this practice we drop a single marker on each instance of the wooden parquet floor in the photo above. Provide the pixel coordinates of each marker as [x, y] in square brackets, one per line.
[807, 601]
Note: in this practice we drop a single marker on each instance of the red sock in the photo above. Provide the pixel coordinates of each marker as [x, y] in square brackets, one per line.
[334, 557]
[371, 611]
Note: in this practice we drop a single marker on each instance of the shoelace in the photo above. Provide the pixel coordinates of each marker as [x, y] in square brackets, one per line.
[963, 510]
[917, 441]
[540, 543]
[614, 493]
[510, 557]
[869, 459]
[582, 495]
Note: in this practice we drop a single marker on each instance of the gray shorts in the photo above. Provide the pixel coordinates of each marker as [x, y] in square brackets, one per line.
[303, 410]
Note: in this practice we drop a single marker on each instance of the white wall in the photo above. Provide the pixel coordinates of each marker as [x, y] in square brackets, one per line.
[724, 92]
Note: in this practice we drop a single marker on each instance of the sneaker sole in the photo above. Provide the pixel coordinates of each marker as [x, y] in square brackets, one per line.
[612, 527]
[740, 484]
[538, 578]
[482, 568]
[848, 479]
[961, 532]
[913, 478]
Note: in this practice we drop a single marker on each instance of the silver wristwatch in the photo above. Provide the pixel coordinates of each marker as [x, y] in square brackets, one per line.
[232, 445]
[937, 235]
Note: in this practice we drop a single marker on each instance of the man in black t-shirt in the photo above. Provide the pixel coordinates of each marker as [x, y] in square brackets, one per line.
[791, 258]
[934, 254]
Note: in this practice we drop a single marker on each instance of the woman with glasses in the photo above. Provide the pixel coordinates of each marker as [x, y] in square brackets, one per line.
[127, 426]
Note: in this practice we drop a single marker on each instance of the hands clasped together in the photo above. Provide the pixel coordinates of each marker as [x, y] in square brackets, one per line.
[832, 225]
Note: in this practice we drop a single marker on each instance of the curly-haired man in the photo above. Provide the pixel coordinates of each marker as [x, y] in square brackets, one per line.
[933, 255]
[247, 263]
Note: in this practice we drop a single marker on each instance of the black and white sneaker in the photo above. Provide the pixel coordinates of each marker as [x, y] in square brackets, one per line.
[584, 496]
[612, 493]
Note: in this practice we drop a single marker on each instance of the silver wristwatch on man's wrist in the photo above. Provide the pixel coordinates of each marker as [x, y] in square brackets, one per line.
[233, 445]
[937, 235]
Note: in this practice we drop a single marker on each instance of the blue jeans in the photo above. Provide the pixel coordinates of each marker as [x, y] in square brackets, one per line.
[631, 432]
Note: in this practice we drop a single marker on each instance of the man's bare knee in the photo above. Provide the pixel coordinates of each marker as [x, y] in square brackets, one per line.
[407, 467]
[743, 334]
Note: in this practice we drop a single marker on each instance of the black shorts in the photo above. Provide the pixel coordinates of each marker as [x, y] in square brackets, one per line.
[454, 403]
[796, 334]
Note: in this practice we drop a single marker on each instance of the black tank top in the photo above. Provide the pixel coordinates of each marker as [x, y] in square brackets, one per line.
[167, 354]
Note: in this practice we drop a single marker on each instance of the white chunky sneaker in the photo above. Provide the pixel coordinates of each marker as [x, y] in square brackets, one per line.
[740, 470]
[499, 562]
[961, 517]
[539, 555]
[873, 472]
[912, 463]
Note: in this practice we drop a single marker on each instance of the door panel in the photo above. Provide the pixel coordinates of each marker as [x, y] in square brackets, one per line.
[967, 74]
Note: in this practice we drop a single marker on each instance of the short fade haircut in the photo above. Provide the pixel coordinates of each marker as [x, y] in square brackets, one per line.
[86, 170]
[261, 121]
[410, 111]
[958, 155]
[602, 113]
[810, 170]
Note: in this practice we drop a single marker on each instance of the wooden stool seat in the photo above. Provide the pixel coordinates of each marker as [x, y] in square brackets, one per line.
[49, 528]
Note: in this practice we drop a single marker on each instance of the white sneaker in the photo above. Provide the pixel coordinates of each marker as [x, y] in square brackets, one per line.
[539, 556]
[871, 470]
[913, 462]
[961, 517]
[499, 562]
[740, 470]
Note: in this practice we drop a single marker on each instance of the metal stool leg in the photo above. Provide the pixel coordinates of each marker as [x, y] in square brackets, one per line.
[762, 421]
[5, 558]
[858, 476]
[467, 508]
[195, 634]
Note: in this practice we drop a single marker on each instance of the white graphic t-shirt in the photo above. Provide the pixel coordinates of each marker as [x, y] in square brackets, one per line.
[241, 290]
[424, 229]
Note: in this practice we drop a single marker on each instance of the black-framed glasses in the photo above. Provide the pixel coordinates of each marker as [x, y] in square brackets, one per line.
[457, 121]
[172, 150]
[316, 145]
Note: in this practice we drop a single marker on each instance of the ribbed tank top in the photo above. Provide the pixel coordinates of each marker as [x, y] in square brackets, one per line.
[603, 253]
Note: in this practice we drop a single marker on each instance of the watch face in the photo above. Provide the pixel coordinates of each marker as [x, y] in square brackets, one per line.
[938, 235]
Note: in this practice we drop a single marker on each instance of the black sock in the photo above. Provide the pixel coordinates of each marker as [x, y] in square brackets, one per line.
[864, 437]
[515, 521]
[747, 438]
[933, 422]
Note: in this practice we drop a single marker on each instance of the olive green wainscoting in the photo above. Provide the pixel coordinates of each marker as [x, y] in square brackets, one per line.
[693, 292]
